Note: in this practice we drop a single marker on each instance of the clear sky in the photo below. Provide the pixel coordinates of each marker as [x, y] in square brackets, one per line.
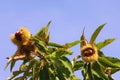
[68, 17]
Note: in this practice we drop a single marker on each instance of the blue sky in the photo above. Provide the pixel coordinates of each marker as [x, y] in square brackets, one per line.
[68, 17]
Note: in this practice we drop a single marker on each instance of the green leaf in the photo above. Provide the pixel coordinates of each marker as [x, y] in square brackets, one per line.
[51, 49]
[60, 74]
[75, 59]
[78, 65]
[34, 72]
[12, 64]
[63, 68]
[67, 64]
[115, 61]
[52, 77]
[41, 45]
[100, 45]
[69, 45]
[97, 67]
[84, 71]
[43, 34]
[36, 69]
[95, 34]
[55, 44]
[31, 63]
[44, 73]
[22, 67]
[107, 63]
[100, 53]
[90, 74]
[96, 77]
[114, 70]
[57, 69]
[60, 53]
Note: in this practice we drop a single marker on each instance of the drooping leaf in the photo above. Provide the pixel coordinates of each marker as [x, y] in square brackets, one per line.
[64, 69]
[97, 67]
[84, 71]
[8, 62]
[67, 64]
[95, 34]
[61, 68]
[12, 64]
[114, 61]
[101, 45]
[58, 68]
[90, 74]
[78, 65]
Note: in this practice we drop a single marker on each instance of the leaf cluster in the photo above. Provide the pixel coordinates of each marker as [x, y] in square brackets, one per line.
[52, 63]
